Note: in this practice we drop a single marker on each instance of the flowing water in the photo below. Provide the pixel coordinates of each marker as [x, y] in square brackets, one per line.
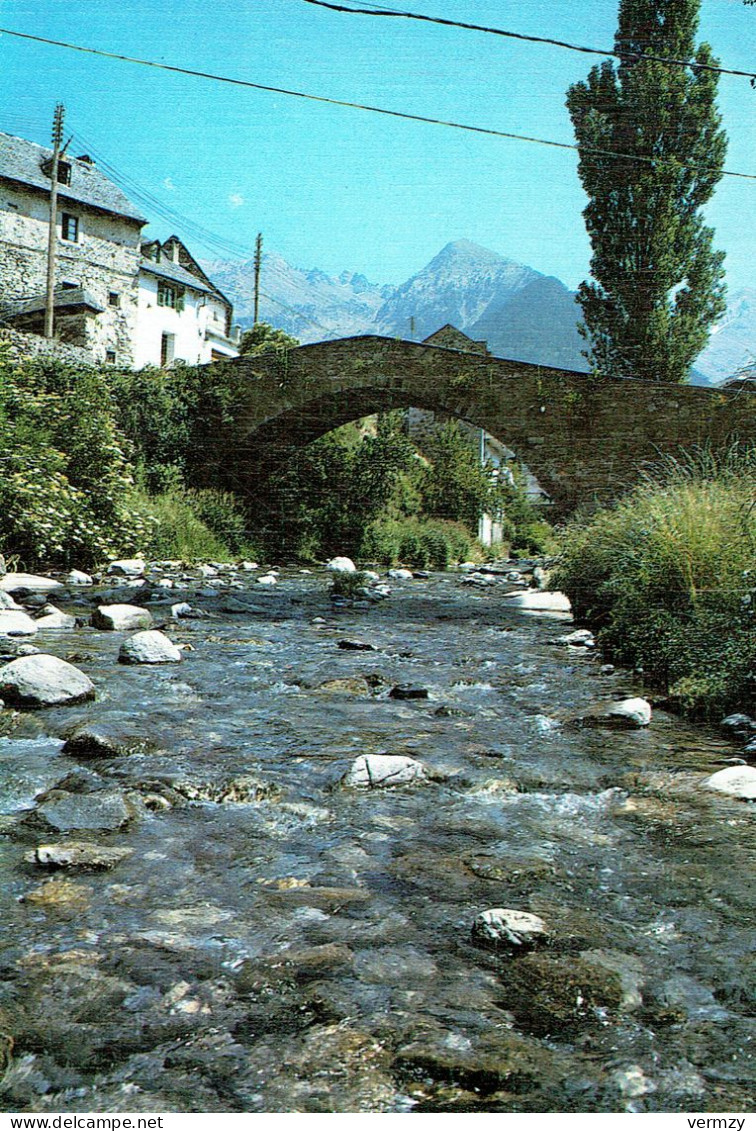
[277, 942]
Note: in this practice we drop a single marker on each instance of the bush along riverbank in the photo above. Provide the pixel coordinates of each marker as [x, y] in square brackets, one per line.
[100, 463]
[667, 580]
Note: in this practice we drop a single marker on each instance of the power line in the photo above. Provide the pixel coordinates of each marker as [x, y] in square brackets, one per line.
[393, 13]
[202, 235]
[362, 106]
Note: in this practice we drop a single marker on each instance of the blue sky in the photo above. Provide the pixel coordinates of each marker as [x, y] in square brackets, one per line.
[343, 189]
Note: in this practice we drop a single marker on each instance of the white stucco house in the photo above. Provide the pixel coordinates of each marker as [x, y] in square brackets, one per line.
[125, 301]
[181, 315]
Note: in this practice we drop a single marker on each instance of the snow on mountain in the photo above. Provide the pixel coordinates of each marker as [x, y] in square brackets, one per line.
[522, 314]
[309, 305]
[733, 340]
[457, 286]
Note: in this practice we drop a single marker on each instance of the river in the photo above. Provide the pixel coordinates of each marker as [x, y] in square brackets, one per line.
[275, 942]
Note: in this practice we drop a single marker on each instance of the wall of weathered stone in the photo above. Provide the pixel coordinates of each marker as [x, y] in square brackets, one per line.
[584, 439]
[31, 345]
[105, 260]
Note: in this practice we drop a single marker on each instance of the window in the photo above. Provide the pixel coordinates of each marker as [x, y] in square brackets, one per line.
[64, 173]
[167, 350]
[167, 295]
[110, 356]
[114, 299]
[70, 227]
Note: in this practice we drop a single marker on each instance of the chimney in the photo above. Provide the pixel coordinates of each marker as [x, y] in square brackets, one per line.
[175, 251]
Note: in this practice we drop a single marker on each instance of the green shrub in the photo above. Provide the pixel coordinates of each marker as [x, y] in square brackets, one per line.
[418, 543]
[176, 530]
[222, 515]
[668, 576]
[348, 585]
[66, 485]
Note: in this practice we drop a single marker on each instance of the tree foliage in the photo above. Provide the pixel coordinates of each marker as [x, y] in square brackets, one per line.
[262, 338]
[651, 152]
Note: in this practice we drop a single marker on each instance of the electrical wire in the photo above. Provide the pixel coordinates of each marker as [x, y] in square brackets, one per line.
[375, 10]
[372, 109]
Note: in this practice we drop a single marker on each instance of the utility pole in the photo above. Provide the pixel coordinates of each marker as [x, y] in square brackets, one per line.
[258, 265]
[52, 238]
[412, 328]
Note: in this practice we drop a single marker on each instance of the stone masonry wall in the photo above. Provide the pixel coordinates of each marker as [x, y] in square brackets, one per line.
[105, 260]
[584, 439]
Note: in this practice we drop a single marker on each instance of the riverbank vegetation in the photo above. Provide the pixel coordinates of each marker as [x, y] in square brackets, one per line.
[99, 462]
[668, 578]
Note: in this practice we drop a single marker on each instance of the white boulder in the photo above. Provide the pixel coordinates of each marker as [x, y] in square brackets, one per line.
[630, 712]
[540, 600]
[151, 647]
[31, 582]
[121, 618]
[341, 565]
[78, 577]
[507, 927]
[44, 681]
[15, 622]
[383, 771]
[735, 781]
[55, 618]
[127, 567]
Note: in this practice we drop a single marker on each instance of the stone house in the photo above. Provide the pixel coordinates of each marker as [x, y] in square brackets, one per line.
[124, 302]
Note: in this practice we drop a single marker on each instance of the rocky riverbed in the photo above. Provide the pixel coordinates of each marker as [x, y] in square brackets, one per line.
[391, 854]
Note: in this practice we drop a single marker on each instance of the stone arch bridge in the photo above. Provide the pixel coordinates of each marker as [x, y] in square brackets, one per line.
[585, 439]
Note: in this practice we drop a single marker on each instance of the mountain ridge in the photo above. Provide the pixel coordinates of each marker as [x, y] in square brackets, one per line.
[521, 313]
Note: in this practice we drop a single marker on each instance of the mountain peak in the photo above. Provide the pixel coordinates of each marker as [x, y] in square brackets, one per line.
[465, 251]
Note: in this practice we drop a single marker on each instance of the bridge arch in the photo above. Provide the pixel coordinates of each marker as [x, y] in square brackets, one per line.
[584, 439]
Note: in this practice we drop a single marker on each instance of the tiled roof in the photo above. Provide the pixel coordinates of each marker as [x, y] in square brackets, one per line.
[167, 269]
[22, 161]
[65, 299]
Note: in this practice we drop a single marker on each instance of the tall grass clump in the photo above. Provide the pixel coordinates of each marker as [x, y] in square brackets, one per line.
[180, 530]
[668, 578]
[418, 542]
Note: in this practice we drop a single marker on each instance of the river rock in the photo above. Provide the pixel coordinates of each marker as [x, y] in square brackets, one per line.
[741, 726]
[127, 567]
[552, 995]
[78, 577]
[355, 685]
[581, 638]
[16, 623]
[7, 602]
[77, 856]
[59, 896]
[341, 565]
[503, 928]
[735, 781]
[29, 583]
[384, 771]
[400, 574]
[625, 713]
[150, 647]
[72, 812]
[540, 600]
[101, 739]
[408, 691]
[44, 681]
[121, 618]
[356, 646]
[267, 579]
[55, 618]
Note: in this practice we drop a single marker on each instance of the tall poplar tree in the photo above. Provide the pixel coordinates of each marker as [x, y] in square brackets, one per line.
[651, 151]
